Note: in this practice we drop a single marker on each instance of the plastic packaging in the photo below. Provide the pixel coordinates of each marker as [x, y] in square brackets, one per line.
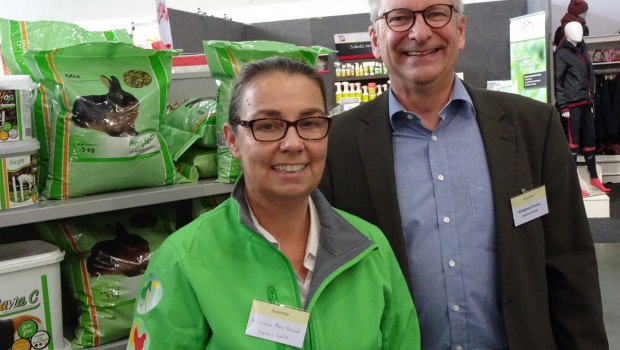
[31, 297]
[16, 97]
[19, 173]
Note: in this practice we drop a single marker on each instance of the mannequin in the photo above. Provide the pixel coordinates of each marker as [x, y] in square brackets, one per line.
[576, 12]
[574, 91]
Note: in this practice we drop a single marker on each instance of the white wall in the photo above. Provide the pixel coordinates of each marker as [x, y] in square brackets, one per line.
[603, 15]
[97, 14]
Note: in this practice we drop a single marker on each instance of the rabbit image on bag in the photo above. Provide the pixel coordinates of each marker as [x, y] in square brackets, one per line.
[113, 113]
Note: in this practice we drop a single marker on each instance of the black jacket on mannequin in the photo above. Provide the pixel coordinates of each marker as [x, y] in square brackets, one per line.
[574, 75]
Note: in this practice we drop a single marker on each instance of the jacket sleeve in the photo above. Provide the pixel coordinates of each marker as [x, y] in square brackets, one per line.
[399, 325]
[167, 314]
[559, 74]
[571, 267]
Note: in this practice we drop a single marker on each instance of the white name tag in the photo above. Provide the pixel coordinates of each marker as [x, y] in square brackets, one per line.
[529, 205]
[277, 323]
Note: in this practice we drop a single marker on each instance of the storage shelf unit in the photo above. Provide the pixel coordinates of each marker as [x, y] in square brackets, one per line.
[603, 42]
[363, 77]
[58, 209]
[187, 82]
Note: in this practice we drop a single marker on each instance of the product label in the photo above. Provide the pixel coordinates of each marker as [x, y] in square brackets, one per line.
[26, 309]
[105, 147]
[15, 119]
[19, 186]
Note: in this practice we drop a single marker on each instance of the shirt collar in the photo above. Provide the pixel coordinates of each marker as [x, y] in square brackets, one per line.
[459, 93]
[312, 245]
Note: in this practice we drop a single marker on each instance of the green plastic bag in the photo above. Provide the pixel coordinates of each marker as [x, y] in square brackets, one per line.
[203, 159]
[106, 255]
[107, 108]
[195, 115]
[225, 59]
[18, 36]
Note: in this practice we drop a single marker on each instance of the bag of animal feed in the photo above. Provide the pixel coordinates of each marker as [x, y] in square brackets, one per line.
[106, 255]
[195, 115]
[203, 159]
[18, 36]
[225, 59]
[108, 102]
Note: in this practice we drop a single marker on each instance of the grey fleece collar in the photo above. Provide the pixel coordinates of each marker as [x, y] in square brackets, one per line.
[339, 241]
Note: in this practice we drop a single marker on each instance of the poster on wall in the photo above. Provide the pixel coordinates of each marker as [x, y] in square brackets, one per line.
[528, 55]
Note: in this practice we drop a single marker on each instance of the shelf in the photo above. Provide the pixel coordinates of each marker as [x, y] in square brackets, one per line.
[595, 39]
[57, 209]
[605, 63]
[364, 77]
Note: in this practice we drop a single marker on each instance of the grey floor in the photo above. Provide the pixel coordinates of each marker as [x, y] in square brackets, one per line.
[608, 255]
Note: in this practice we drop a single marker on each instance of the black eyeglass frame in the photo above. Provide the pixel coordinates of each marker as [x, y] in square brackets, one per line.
[384, 16]
[249, 124]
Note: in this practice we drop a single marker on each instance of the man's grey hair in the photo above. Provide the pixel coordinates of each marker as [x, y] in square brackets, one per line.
[374, 8]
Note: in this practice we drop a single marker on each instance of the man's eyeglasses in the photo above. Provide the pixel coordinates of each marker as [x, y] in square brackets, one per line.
[435, 16]
[273, 129]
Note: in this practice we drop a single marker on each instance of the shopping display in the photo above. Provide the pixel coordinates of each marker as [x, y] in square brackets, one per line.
[106, 255]
[19, 36]
[30, 296]
[107, 106]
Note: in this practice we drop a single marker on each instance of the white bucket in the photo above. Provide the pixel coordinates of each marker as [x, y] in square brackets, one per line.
[19, 173]
[16, 98]
[30, 296]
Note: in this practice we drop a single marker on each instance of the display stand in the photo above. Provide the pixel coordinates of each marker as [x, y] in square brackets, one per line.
[597, 203]
[190, 80]
[608, 167]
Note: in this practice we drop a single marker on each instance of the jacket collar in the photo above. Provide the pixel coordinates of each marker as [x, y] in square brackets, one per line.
[339, 241]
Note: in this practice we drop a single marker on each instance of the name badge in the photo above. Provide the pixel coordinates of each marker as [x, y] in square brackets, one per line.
[278, 323]
[529, 205]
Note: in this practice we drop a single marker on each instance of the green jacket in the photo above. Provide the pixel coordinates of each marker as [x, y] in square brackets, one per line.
[200, 284]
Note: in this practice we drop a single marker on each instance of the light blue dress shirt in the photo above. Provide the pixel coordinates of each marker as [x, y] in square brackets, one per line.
[446, 205]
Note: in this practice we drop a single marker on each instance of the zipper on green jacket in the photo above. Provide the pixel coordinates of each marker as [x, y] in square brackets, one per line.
[272, 296]
[327, 280]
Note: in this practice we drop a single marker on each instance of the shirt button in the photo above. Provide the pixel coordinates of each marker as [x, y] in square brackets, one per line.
[451, 263]
[440, 177]
[456, 308]
[434, 138]
[458, 347]
[409, 116]
[446, 219]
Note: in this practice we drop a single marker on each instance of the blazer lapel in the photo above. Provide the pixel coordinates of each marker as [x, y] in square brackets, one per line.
[374, 140]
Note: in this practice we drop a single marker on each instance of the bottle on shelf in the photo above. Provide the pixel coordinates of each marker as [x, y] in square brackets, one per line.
[358, 90]
[338, 91]
[372, 91]
[365, 93]
[345, 89]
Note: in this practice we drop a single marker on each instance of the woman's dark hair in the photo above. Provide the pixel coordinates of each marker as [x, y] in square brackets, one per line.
[255, 69]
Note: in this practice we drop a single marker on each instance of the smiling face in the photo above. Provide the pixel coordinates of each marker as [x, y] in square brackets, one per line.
[285, 169]
[420, 56]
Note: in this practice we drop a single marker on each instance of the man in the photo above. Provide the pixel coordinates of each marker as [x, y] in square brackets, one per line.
[435, 162]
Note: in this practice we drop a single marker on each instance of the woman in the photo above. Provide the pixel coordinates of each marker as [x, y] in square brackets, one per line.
[274, 266]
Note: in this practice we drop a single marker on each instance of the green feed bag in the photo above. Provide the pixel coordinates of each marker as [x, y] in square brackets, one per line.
[18, 36]
[195, 115]
[106, 255]
[108, 102]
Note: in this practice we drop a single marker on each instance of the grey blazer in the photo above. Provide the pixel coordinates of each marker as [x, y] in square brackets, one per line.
[549, 283]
